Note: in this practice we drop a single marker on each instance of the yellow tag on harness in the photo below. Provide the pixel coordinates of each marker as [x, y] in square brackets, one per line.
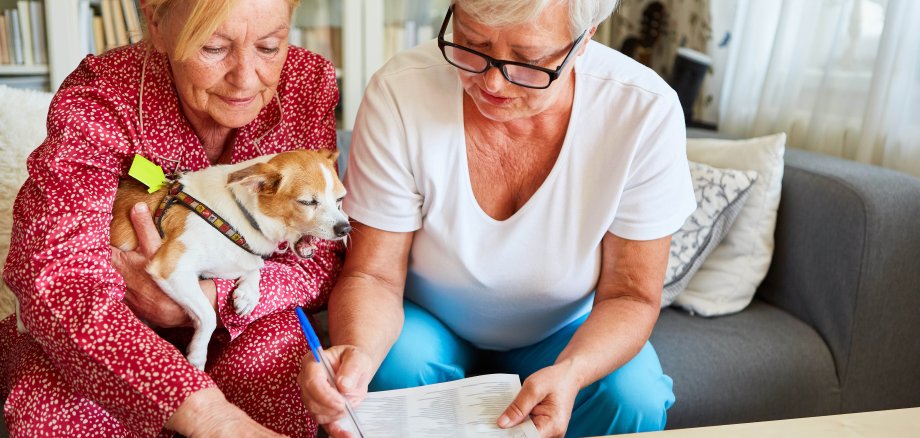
[148, 173]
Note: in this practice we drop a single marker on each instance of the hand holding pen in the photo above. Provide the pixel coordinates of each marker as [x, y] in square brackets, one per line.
[317, 374]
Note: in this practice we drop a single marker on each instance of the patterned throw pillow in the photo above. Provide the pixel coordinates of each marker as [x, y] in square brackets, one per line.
[720, 194]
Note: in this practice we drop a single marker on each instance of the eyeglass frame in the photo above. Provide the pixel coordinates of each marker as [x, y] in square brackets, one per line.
[500, 63]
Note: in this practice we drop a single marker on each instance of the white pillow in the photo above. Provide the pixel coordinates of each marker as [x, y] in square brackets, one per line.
[720, 196]
[728, 278]
[22, 129]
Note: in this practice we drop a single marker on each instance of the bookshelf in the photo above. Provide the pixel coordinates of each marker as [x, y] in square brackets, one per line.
[19, 70]
[357, 35]
[67, 33]
[25, 20]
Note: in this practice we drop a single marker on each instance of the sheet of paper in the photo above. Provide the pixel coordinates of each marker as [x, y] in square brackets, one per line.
[462, 408]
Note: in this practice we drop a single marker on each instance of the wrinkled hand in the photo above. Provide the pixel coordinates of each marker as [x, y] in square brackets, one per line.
[207, 414]
[353, 369]
[144, 296]
[547, 396]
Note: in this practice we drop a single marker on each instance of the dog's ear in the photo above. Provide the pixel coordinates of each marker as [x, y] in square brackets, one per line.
[329, 154]
[259, 178]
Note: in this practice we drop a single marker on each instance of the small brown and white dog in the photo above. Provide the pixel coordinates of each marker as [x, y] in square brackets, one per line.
[292, 197]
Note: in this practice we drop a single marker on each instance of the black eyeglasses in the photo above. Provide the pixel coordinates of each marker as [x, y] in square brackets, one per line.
[518, 73]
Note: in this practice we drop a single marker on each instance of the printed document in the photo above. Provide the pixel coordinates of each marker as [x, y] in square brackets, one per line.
[462, 408]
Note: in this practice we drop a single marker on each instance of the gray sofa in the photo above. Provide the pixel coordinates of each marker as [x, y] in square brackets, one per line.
[834, 327]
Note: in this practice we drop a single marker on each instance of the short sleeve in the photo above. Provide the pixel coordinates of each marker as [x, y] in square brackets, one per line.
[658, 195]
[382, 190]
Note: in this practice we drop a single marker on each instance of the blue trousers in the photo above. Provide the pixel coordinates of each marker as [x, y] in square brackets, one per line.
[634, 398]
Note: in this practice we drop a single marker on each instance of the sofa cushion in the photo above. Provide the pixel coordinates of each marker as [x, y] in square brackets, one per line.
[847, 234]
[720, 195]
[756, 365]
[729, 277]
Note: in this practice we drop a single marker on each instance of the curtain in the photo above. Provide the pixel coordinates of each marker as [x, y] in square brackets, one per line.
[840, 77]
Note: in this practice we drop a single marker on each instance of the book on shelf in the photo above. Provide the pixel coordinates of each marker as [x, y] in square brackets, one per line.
[39, 40]
[25, 30]
[4, 43]
[118, 18]
[132, 20]
[15, 37]
[107, 24]
[22, 37]
[97, 40]
[85, 27]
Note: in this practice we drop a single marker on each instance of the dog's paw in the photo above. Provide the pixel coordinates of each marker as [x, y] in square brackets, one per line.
[246, 296]
[198, 359]
[20, 327]
[244, 304]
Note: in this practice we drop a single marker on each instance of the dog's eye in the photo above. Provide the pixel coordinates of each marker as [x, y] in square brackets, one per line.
[310, 203]
[339, 201]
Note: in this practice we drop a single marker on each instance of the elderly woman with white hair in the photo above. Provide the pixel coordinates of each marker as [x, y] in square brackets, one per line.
[515, 186]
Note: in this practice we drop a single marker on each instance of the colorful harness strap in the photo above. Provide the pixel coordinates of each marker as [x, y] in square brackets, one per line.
[175, 194]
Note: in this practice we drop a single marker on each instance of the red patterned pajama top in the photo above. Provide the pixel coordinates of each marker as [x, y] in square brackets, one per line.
[59, 263]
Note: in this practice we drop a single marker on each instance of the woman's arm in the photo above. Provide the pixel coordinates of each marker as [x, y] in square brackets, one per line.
[143, 294]
[370, 292]
[208, 414]
[60, 269]
[286, 282]
[626, 306]
[365, 318]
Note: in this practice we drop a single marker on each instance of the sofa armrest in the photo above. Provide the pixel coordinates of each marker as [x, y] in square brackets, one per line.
[847, 262]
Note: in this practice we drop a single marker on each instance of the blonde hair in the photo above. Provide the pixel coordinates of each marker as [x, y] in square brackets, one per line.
[203, 20]
[583, 14]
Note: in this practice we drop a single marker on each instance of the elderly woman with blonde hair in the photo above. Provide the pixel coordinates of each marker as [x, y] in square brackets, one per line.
[214, 81]
[515, 186]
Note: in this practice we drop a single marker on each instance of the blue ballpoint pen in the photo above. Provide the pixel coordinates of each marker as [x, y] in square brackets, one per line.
[317, 350]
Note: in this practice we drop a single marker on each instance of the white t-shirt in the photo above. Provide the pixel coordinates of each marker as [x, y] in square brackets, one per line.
[507, 284]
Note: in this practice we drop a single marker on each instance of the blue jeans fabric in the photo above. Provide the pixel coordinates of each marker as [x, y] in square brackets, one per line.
[634, 398]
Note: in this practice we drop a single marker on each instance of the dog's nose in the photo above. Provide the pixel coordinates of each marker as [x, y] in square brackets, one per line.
[341, 229]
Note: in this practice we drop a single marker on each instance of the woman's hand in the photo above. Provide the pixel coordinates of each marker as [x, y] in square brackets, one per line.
[353, 369]
[207, 414]
[144, 296]
[547, 396]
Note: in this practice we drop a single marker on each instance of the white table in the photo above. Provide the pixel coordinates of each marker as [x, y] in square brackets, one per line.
[893, 423]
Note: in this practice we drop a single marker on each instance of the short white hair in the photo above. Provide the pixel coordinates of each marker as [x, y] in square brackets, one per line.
[583, 14]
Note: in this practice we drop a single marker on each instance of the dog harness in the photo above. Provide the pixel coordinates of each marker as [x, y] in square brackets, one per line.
[175, 194]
